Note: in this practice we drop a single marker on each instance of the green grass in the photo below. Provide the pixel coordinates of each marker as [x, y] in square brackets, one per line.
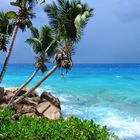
[29, 128]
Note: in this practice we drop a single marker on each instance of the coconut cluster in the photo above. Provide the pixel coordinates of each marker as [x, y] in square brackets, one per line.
[40, 64]
[63, 59]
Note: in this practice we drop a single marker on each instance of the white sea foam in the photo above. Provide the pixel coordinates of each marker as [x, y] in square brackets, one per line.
[46, 88]
[67, 109]
[7, 88]
[124, 127]
[39, 91]
[64, 98]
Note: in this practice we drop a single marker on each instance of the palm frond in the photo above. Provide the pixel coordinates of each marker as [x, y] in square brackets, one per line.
[36, 44]
[54, 16]
[5, 26]
[53, 49]
[45, 32]
[24, 14]
[45, 36]
[10, 28]
[34, 32]
[6, 29]
[3, 20]
[29, 2]
[64, 15]
[46, 39]
[82, 19]
[30, 13]
[3, 42]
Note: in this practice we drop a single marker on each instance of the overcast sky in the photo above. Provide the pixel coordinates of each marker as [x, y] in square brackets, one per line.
[111, 36]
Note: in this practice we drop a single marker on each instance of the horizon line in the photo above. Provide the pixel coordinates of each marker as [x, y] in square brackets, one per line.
[73, 63]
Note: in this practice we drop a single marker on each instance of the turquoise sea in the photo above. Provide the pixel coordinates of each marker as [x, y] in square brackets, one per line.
[106, 93]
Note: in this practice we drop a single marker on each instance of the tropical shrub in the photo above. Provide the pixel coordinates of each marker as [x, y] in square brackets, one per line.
[29, 128]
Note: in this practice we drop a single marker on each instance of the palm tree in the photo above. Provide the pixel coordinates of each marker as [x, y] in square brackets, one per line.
[67, 20]
[39, 42]
[31, 2]
[22, 19]
[5, 31]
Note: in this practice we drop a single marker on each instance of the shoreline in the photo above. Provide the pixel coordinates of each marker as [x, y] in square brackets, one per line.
[116, 121]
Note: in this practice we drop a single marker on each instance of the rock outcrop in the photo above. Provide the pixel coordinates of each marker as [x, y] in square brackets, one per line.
[45, 105]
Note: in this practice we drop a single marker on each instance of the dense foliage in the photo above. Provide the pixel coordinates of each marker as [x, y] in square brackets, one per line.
[29, 128]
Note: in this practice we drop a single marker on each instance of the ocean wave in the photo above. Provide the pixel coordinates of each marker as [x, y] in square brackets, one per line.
[64, 98]
[124, 127]
[39, 91]
[70, 110]
[46, 88]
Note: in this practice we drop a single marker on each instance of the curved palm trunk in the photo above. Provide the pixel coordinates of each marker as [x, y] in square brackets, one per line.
[9, 52]
[36, 86]
[20, 89]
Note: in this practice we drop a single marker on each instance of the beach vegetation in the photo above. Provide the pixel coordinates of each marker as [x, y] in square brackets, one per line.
[41, 129]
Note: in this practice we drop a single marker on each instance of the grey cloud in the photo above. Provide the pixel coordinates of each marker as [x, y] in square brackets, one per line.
[105, 40]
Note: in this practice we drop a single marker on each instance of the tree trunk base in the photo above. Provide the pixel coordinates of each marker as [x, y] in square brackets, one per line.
[45, 105]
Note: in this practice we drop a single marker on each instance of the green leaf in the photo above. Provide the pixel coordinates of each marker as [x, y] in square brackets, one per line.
[28, 23]
[32, 128]
[34, 32]
[15, 4]
[42, 2]
[35, 43]
[11, 15]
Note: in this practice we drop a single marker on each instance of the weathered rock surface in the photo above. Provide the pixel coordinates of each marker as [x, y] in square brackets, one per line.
[48, 97]
[52, 113]
[29, 101]
[46, 105]
[8, 97]
[31, 115]
[42, 107]
[27, 109]
[13, 89]
[48, 110]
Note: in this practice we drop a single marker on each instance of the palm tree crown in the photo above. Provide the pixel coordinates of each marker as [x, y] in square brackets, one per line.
[40, 41]
[22, 20]
[29, 2]
[5, 31]
[67, 19]
[23, 17]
